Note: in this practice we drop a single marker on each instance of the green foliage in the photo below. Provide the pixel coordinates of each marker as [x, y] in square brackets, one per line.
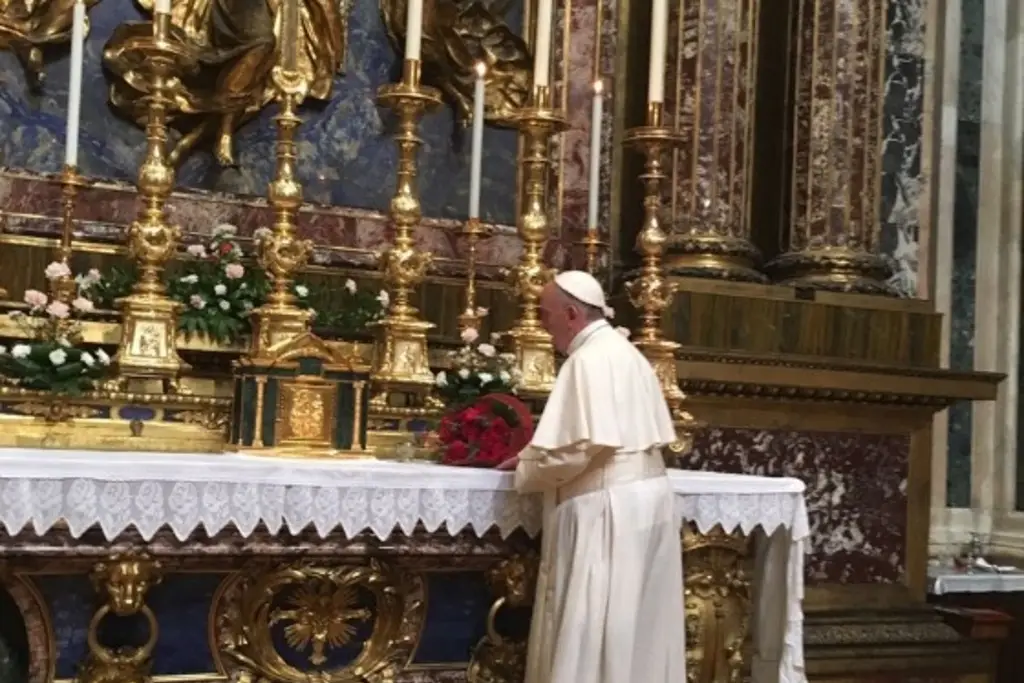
[104, 289]
[49, 366]
[347, 310]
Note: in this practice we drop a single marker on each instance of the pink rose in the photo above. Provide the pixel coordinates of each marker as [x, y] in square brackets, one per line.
[233, 271]
[35, 298]
[82, 305]
[58, 309]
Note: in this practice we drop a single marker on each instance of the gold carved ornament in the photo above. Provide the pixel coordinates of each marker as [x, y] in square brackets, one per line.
[320, 609]
[125, 580]
[28, 28]
[457, 34]
[237, 42]
[496, 658]
[717, 590]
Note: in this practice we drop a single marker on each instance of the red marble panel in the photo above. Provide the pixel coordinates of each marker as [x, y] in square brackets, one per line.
[856, 493]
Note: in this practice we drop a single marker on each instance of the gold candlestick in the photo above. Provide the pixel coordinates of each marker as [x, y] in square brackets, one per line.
[281, 253]
[470, 318]
[149, 317]
[400, 354]
[63, 288]
[651, 292]
[593, 245]
[531, 343]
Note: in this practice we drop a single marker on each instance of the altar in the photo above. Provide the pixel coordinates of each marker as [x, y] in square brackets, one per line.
[142, 524]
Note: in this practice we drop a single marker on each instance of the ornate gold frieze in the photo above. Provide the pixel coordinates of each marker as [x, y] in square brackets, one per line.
[717, 570]
[317, 610]
[498, 658]
[712, 111]
[124, 581]
[29, 29]
[237, 45]
[456, 35]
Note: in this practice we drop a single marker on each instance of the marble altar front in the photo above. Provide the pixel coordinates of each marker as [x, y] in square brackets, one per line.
[409, 558]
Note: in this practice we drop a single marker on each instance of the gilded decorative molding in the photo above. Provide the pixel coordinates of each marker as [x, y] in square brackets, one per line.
[718, 572]
[124, 580]
[497, 658]
[317, 610]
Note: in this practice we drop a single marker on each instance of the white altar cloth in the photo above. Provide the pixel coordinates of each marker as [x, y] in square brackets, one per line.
[149, 491]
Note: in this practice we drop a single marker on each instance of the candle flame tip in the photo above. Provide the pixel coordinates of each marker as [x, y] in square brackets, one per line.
[599, 86]
[481, 69]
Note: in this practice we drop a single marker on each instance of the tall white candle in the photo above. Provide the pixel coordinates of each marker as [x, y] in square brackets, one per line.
[477, 154]
[413, 29]
[162, 6]
[659, 42]
[595, 156]
[75, 84]
[542, 45]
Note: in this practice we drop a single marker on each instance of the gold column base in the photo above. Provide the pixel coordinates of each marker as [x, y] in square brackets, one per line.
[838, 269]
[717, 572]
[722, 257]
[149, 333]
[275, 325]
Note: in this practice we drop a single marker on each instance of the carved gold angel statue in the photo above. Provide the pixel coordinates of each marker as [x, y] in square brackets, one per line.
[456, 35]
[28, 27]
[237, 43]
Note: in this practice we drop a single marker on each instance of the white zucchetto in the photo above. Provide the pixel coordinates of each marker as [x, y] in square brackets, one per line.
[584, 287]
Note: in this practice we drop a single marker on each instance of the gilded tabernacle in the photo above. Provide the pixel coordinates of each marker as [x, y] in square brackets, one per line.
[482, 341]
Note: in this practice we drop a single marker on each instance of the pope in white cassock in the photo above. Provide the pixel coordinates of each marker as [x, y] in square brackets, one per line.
[609, 606]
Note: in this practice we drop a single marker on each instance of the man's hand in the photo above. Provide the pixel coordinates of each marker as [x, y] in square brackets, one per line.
[509, 464]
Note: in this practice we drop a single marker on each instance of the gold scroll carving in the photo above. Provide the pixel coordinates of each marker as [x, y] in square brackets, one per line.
[27, 28]
[713, 113]
[318, 610]
[238, 47]
[717, 579]
[125, 580]
[836, 52]
[498, 658]
[456, 35]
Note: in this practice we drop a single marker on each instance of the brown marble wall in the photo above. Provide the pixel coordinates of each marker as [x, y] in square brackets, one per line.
[856, 493]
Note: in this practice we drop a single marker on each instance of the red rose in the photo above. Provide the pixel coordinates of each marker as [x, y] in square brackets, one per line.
[456, 453]
[225, 248]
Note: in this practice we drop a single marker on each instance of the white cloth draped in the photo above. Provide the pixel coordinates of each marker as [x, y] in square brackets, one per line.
[183, 492]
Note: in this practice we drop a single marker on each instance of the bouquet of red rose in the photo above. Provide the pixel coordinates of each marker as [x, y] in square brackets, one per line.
[485, 433]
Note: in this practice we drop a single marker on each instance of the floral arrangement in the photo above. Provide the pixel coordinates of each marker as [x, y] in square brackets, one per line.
[477, 369]
[351, 310]
[103, 290]
[486, 433]
[52, 360]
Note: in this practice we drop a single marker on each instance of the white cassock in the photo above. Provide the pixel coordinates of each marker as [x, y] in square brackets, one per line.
[609, 605]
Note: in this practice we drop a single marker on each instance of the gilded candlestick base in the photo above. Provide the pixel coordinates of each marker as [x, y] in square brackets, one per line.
[400, 353]
[148, 339]
[593, 249]
[531, 344]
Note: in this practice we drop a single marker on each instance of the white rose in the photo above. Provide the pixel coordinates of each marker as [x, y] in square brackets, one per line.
[383, 298]
[464, 373]
[220, 290]
[224, 305]
[58, 356]
[486, 350]
[82, 305]
[225, 230]
[189, 279]
[442, 379]
[481, 311]
[21, 350]
[196, 250]
[470, 335]
[56, 270]
[261, 234]
[485, 377]
[102, 355]
[301, 290]
[88, 359]
[3, 350]
[504, 376]
[350, 285]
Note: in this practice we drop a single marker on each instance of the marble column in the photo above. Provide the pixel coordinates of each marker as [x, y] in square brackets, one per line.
[713, 58]
[836, 52]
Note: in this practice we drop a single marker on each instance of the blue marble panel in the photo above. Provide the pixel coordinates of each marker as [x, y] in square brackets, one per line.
[965, 227]
[181, 603]
[457, 605]
[347, 156]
